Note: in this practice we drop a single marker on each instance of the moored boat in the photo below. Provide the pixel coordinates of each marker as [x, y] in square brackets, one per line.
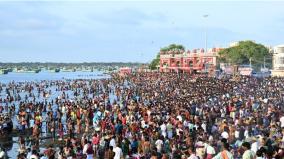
[56, 70]
[4, 71]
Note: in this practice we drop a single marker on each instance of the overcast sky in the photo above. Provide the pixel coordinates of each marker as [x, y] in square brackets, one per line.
[99, 31]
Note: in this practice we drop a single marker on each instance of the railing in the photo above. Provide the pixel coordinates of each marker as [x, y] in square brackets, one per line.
[210, 55]
[178, 55]
[166, 56]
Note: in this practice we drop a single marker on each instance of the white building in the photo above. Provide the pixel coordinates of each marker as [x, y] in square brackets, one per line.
[278, 61]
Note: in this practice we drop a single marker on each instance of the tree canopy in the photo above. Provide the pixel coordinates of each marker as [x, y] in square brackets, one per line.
[243, 52]
[173, 47]
[155, 62]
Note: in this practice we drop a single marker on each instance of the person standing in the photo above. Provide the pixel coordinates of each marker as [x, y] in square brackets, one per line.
[90, 151]
[118, 153]
[248, 153]
[225, 153]
[52, 129]
[60, 130]
[35, 134]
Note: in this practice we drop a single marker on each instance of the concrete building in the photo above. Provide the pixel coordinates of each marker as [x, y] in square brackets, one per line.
[278, 61]
[189, 61]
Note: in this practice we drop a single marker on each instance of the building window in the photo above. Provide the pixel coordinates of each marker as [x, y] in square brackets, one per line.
[190, 63]
[280, 50]
[178, 64]
[280, 60]
[165, 64]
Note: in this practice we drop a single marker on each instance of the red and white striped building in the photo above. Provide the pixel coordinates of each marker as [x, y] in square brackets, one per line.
[189, 61]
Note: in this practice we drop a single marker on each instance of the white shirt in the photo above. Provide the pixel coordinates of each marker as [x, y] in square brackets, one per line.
[112, 143]
[225, 135]
[179, 118]
[246, 134]
[282, 121]
[118, 153]
[2, 153]
[28, 155]
[237, 134]
[143, 124]
[163, 127]
[63, 109]
[210, 138]
[33, 157]
[159, 144]
[85, 148]
[192, 156]
[210, 150]
[265, 100]
[254, 147]
[203, 126]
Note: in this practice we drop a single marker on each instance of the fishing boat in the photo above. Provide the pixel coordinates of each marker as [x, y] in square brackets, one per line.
[56, 70]
[33, 71]
[4, 71]
[87, 70]
[67, 70]
[9, 70]
[28, 71]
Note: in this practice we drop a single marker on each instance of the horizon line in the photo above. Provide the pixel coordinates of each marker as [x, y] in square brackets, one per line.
[70, 62]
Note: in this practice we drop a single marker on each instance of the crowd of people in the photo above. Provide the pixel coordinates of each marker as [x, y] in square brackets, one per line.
[150, 116]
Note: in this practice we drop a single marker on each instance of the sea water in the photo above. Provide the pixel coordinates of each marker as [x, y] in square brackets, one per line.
[42, 76]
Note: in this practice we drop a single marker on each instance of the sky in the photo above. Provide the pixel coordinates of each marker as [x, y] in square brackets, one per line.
[129, 31]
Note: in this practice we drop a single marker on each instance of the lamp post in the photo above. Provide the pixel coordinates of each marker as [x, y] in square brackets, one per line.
[205, 16]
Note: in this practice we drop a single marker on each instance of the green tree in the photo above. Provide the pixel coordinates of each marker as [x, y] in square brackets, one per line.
[173, 47]
[155, 62]
[244, 52]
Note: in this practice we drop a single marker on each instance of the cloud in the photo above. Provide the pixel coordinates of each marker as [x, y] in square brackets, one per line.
[127, 16]
[21, 17]
[104, 31]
